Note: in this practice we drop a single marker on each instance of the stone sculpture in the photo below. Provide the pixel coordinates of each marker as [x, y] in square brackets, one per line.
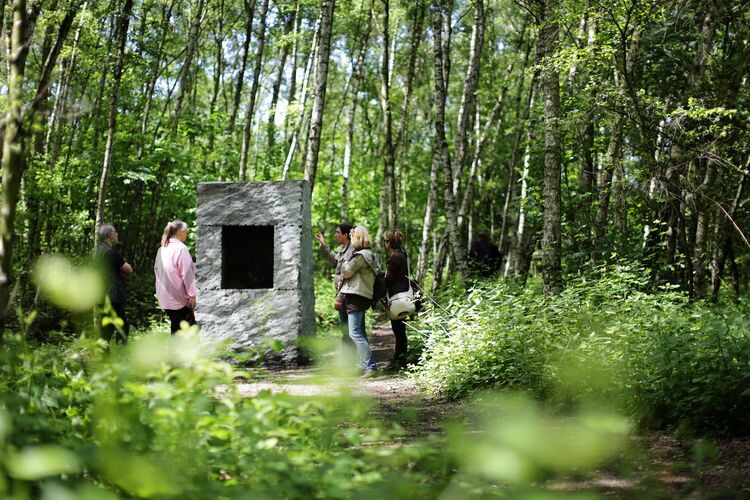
[254, 263]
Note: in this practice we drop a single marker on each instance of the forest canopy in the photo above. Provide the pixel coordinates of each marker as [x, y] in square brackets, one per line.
[572, 132]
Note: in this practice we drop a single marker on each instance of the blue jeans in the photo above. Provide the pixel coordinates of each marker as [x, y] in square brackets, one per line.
[365, 358]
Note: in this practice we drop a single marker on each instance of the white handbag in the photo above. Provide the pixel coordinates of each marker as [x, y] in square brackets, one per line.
[401, 305]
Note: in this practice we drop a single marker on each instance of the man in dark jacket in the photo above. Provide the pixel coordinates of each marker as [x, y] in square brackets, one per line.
[115, 270]
[484, 257]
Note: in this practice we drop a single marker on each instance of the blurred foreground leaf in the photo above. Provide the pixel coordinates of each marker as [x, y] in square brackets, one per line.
[73, 288]
[41, 461]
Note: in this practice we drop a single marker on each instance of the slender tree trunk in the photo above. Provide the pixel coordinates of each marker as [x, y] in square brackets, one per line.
[303, 111]
[70, 66]
[441, 144]
[468, 98]
[237, 98]
[123, 24]
[723, 236]
[271, 127]
[13, 153]
[321, 79]
[186, 75]
[701, 232]
[246, 132]
[476, 159]
[432, 195]
[388, 195]
[154, 74]
[515, 162]
[356, 78]
[219, 68]
[521, 258]
[552, 239]
[672, 210]
[18, 128]
[415, 39]
[291, 98]
[611, 162]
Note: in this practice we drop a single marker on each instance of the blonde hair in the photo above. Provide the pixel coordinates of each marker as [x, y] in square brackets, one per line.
[360, 238]
[395, 238]
[172, 228]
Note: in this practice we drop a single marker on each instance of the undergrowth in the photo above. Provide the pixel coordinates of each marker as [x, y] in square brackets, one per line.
[665, 360]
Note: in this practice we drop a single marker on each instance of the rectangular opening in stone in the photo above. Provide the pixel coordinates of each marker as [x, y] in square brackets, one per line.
[247, 257]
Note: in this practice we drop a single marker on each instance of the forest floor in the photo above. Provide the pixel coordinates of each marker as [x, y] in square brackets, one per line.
[655, 465]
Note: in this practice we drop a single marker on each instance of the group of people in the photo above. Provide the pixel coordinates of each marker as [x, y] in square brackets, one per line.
[174, 270]
[354, 280]
[357, 267]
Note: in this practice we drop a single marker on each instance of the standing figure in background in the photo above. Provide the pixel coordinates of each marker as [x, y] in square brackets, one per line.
[359, 280]
[115, 271]
[397, 281]
[484, 258]
[175, 276]
[338, 257]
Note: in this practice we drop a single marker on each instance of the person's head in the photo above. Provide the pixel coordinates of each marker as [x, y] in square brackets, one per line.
[394, 240]
[107, 234]
[175, 229]
[343, 233]
[482, 236]
[360, 238]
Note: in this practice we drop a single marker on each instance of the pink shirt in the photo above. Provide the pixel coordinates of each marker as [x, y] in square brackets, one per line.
[175, 276]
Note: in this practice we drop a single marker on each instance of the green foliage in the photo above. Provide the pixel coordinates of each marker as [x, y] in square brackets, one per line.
[161, 419]
[666, 360]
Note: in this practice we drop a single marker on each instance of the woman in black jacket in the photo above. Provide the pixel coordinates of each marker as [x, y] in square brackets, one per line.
[397, 280]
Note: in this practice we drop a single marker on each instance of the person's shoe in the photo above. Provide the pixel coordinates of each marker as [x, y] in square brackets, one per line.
[369, 372]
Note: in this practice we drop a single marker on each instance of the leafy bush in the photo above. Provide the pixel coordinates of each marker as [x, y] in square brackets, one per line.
[161, 419]
[668, 361]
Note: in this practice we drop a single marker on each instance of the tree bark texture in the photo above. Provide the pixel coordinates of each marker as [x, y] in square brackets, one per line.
[250, 112]
[123, 24]
[186, 75]
[388, 194]
[441, 145]
[468, 98]
[552, 239]
[321, 79]
[13, 153]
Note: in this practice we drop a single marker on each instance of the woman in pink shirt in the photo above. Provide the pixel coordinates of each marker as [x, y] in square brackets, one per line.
[175, 276]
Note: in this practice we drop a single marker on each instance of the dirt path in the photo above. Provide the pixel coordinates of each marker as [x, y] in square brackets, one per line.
[656, 465]
[395, 395]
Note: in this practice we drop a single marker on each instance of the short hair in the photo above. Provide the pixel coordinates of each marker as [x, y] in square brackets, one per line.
[345, 229]
[360, 238]
[104, 231]
[395, 238]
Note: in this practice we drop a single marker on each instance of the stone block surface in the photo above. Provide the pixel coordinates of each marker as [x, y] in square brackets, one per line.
[244, 318]
[252, 203]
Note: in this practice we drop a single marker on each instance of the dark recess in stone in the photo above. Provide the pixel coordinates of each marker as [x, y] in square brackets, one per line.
[246, 257]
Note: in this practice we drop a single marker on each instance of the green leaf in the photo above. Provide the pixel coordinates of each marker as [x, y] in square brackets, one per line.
[41, 461]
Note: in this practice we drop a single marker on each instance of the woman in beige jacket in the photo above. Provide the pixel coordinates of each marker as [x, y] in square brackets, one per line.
[359, 278]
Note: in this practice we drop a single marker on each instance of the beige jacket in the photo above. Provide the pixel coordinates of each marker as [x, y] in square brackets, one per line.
[359, 273]
[338, 257]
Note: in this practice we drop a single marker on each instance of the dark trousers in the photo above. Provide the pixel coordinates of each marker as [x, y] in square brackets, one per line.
[109, 331]
[177, 316]
[399, 331]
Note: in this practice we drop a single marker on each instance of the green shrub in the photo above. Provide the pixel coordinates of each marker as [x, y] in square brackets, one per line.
[667, 360]
[159, 418]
